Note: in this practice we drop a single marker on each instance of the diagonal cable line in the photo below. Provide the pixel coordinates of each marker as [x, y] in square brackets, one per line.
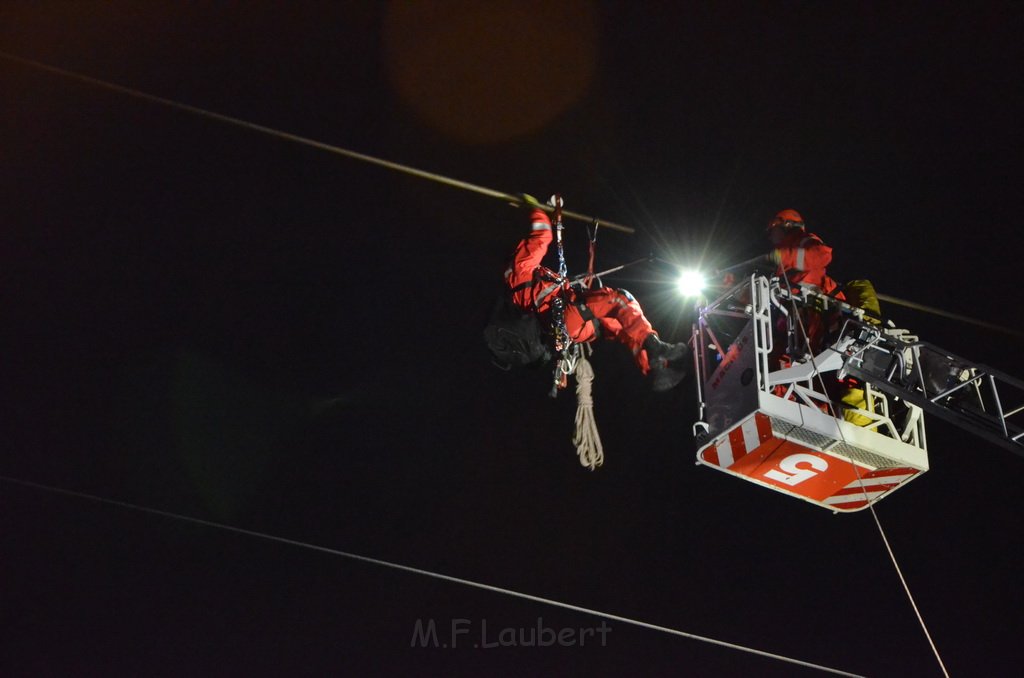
[305, 141]
[946, 314]
[422, 572]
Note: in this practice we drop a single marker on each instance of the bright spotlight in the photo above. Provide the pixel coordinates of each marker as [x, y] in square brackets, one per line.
[690, 283]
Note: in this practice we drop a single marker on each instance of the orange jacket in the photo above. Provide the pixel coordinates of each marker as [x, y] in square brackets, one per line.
[534, 286]
[804, 257]
[613, 314]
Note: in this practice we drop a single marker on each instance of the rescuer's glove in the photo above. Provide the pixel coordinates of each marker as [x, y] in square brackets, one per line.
[529, 202]
[525, 200]
[774, 257]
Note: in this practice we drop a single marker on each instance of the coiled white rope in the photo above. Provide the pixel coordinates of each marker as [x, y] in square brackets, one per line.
[586, 439]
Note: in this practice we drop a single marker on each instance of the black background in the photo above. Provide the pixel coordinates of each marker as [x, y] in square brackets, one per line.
[214, 322]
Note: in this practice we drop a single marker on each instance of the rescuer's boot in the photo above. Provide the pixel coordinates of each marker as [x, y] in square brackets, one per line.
[669, 363]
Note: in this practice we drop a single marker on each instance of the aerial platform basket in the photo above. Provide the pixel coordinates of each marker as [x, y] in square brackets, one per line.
[777, 428]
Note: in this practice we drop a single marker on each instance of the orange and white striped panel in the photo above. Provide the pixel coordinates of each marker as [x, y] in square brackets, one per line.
[796, 469]
[739, 442]
[869, 487]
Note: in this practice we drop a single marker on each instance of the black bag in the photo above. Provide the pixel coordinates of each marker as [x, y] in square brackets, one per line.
[515, 337]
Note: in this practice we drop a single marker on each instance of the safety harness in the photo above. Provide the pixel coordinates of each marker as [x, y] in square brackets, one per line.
[572, 356]
[567, 350]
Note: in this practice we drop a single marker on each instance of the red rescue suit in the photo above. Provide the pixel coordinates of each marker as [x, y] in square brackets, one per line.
[803, 257]
[616, 314]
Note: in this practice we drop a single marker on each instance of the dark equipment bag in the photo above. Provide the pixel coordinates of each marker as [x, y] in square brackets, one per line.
[515, 337]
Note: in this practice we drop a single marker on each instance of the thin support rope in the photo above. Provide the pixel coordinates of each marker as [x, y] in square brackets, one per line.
[425, 573]
[871, 506]
[906, 587]
[287, 136]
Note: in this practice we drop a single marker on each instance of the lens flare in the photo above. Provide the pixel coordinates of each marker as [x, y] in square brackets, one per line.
[691, 283]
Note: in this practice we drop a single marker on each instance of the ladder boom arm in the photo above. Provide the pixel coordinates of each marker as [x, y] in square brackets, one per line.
[977, 398]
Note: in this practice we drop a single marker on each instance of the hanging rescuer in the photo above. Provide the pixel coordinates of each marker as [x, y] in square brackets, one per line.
[587, 314]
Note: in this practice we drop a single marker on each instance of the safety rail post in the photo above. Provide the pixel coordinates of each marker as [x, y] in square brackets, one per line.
[763, 339]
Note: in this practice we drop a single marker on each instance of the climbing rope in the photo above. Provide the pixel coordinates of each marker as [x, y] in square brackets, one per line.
[287, 136]
[419, 571]
[586, 439]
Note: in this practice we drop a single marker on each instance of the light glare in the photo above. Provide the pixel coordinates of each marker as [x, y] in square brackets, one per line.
[690, 283]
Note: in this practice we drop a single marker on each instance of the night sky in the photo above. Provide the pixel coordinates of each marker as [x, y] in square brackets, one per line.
[213, 322]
